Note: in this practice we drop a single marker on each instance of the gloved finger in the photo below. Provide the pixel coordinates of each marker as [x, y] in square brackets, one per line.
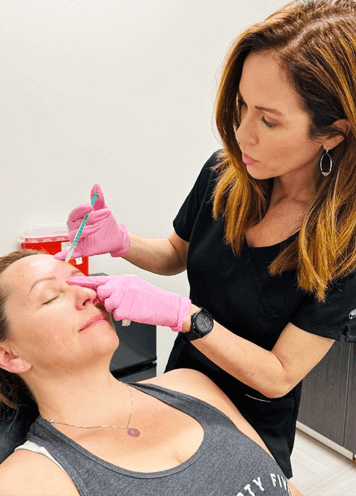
[87, 231]
[100, 202]
[111, 292]
[92, 282]
[117, 313]
[92, 226]
[113, 298]
[98, 215]
[78, 214]
[61, 255]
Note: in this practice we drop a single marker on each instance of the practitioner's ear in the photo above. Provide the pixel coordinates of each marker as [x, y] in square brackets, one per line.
[342, 125]
[11, 362]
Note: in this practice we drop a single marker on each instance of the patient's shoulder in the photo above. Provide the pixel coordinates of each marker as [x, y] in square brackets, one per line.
[191, 382]
[25, 472]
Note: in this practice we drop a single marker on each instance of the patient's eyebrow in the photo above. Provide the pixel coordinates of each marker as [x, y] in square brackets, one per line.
[74, 272]
[41, 280]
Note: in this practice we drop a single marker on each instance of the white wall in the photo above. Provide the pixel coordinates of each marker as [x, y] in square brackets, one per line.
[118, 93]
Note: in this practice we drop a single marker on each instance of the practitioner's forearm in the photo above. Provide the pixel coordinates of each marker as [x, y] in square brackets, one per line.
[157, 255]
[244, 360]
[251, 364]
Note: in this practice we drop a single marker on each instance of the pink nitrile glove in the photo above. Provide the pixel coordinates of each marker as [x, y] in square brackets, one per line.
[101, 233]
[130, 298]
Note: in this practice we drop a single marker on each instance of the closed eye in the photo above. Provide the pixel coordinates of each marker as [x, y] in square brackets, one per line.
[49, 301]
[241, 104]
[268, 124]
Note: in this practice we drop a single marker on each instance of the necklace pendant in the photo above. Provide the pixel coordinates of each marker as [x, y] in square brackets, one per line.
[133, 432]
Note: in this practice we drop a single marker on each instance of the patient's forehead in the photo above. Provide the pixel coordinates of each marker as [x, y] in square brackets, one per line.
[24, 272]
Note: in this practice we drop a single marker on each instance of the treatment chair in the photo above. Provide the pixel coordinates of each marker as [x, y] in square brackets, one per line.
[13, 429]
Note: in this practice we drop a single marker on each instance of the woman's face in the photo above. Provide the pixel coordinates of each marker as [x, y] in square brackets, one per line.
[274, 131]
[54, 325]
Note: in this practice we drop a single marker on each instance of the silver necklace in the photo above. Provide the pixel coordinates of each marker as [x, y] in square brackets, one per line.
[131, 431]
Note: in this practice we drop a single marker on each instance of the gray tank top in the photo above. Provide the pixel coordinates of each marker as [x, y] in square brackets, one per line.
[227, 463]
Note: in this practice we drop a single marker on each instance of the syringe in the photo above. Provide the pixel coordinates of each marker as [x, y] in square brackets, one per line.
[125, 323]
[80, 230]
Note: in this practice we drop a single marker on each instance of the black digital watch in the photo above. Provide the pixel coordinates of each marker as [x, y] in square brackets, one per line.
[202, 324]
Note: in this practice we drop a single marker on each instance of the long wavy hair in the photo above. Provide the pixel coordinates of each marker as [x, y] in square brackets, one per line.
[316, 43]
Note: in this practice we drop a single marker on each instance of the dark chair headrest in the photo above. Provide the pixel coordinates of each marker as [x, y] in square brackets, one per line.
[13, 430]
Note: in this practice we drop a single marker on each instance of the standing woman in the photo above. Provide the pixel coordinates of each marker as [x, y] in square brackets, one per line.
[268, 232]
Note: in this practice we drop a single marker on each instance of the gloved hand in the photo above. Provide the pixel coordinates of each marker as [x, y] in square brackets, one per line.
[131, 298]
[101, 233]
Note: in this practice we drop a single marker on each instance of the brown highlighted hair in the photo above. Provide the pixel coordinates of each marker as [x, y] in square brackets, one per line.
[316, 43]
[10, 384]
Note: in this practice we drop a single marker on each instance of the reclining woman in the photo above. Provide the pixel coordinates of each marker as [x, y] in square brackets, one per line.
[173, 434]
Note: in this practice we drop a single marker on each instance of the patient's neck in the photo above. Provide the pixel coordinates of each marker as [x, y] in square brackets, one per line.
[89, 398]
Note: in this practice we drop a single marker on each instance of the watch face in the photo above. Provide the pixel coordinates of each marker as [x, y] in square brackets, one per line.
[203, 322]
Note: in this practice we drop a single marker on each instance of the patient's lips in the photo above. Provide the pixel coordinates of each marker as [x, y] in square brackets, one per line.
[93, 320]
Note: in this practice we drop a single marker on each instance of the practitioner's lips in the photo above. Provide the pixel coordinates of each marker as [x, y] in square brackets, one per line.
[248, 160]
[93, 320]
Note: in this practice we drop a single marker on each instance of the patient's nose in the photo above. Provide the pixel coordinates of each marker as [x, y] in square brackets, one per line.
[83, 296]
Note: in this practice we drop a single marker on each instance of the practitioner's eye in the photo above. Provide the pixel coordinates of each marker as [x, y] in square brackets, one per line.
[267, 123]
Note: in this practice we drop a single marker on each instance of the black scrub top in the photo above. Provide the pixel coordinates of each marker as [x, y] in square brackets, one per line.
[244, 298]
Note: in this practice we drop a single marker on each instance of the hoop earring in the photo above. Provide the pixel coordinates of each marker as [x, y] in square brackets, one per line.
[326, 172]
